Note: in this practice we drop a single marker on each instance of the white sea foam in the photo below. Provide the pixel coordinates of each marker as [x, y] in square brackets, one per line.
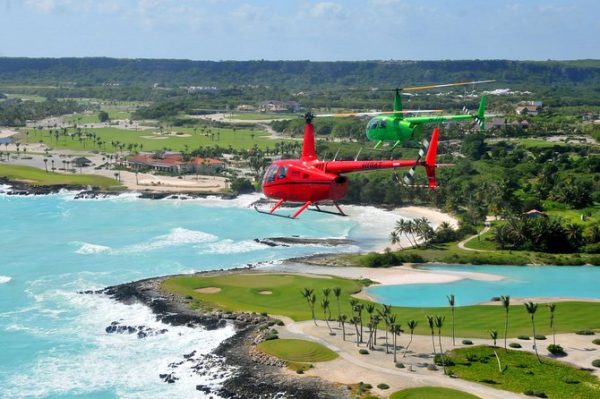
[176, 237]
[241, 201]
[5, 279]
[233, 247]
[119, 363]
[87, 249]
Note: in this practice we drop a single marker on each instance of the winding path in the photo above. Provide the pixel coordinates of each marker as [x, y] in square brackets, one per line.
[404, 378]
[461, 244]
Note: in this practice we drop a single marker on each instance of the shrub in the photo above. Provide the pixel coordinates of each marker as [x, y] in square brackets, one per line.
[515, 345]
[528, 372]
[471, 357]
[447, 361]
[363, 351]
[271, 337]
[300, 371]
[538, 394]
[523, 337]
[280, 323]
[540, 337]
[592, 248]
[432, 367]
[596, 341]
[556, 350]
[383, 386]
[400, 365]
[596, 363]
[584, 332]
[467, 342]
[569, 380]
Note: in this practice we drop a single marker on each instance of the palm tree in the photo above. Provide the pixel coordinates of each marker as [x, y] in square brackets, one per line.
[395, 238]
[439, 323]
[342, 319]
[370, 308]
[359, 309]
[325, 307]
[451, 302]
[396, 330]
[552, 308]
[390, 321]
[46, 164]
[412, 324]
[531, 309]
[494, 336]
[326, 292]
[430, 321]
[312, 299]
[337, 291]
[308, 294]
[385, 314]
[505, 299]
[355, 320]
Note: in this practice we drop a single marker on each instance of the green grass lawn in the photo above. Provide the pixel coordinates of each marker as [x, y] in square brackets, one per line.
[26, 97]
[82, 119]
[523, 372]
[151, 140]
[242, 292]
[431, 393]
[297, 350]
[42, 178]
[591, 215]
[259, 116]
[451, 254]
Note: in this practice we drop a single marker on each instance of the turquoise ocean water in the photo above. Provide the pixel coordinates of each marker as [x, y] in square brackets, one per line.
[52, 340]
[518, 281]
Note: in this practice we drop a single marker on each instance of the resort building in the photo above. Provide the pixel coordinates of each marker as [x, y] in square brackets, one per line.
[175, 163]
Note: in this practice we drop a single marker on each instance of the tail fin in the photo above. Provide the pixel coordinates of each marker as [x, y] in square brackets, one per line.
[430, 158]
[308, 146]
[481, 113]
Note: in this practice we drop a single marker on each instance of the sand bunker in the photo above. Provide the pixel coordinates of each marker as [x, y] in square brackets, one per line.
[208, 290]
[154, 137]
[266, 292]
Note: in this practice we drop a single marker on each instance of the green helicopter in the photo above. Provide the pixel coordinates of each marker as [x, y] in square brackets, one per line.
[394, 126]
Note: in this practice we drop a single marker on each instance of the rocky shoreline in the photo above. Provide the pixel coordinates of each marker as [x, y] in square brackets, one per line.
[85, 192]
[247, 373]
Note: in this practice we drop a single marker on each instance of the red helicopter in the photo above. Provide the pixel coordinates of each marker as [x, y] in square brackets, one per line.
[310, 181]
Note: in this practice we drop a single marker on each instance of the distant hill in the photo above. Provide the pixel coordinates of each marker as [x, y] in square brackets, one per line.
[291, 74]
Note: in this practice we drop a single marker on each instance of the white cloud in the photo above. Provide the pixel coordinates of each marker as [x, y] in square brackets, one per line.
[325, 9]
[46, 6]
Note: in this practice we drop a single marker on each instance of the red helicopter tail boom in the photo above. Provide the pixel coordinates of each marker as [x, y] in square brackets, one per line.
[430, 158]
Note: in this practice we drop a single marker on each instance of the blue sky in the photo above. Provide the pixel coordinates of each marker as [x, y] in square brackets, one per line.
[301, 29]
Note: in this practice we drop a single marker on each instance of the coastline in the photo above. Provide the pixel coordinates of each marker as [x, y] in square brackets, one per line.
[257, 375]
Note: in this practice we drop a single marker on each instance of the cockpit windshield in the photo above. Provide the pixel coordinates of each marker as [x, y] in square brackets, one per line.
[270, 174]
[377, 124]
[282, 172]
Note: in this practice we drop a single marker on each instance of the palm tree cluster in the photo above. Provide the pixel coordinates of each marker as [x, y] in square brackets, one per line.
[371, 316]
[366, 318]
[539, 234]
[416, 231]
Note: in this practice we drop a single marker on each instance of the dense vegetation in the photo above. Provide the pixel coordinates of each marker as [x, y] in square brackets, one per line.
[302, 74]
[15, 112]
